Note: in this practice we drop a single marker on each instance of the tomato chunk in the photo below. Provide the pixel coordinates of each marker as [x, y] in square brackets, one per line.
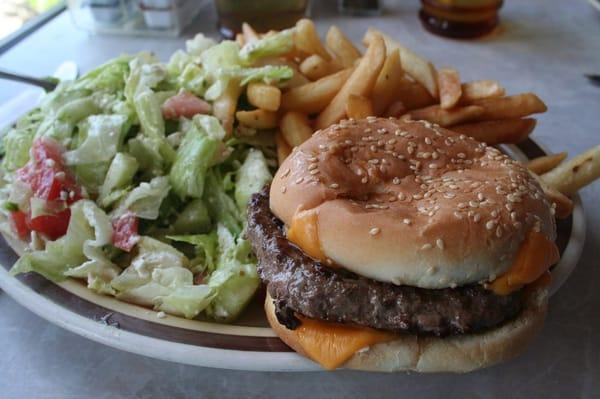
[52, 226]
[18, 221]
[51, 181]
[125, 231]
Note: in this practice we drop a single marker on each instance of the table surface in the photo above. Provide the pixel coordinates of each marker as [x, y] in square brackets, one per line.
[541, 46]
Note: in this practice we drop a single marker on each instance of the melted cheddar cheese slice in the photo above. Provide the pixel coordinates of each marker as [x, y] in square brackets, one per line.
[304, 232]
[331, 345]
[534, 258]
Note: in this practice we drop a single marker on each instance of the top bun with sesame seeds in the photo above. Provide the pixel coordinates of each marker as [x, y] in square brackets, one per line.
[409, 203]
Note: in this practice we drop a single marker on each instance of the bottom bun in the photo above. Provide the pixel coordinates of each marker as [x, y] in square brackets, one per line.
[459, 353]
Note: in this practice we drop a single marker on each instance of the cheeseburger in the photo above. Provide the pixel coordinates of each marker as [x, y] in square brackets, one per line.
[399, 245]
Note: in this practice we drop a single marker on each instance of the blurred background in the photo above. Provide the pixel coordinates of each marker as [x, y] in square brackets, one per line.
[15, 13]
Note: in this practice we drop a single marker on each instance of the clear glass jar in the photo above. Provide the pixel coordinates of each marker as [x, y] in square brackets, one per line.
[461, 19]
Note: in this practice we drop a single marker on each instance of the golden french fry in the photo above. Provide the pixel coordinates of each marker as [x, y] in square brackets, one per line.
[564, 205]
[414, 65]
[248, 33]
[257, 119]
[314, 97]
[396, 110]
[314, 67]
[264, 96]
[498, 132]
[413, 95]
[295, 128]
[283, 148]
[239, 38]
[307, 39]
[449, 86]
[479, 90]
[511, 107]
[342, 48]
[361, 82]
[224, 107]
[575, 173]
[358, 107]
[546, 163]
[388, 83]
[446, 117]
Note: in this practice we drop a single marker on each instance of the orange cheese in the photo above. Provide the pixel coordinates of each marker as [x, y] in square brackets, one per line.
[331, 345]
[304, 232]
[534, 258]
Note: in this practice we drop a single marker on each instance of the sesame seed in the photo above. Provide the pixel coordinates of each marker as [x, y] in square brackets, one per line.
[490, 224]
[396, 180]
[299, 180]
[283, 189]
[498, 231]
[334, 185]
[473, 204]
[407, 222]
[440, 243]
[313, 166]
[458, 215]
[461, 205]
[401, 196]
[364, 180]
[435, 155]
[426, 246]
[476, 218]
[480, 197]
[427, 141]
[374, 231]
[314, 172]
[286, 172]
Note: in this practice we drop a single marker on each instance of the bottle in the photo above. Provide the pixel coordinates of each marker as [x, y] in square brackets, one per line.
[462, 19]
[359, 7]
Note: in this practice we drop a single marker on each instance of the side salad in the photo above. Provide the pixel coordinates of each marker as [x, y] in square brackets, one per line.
[134, 179]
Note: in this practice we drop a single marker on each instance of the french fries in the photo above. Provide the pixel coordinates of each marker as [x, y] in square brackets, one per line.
[413, 95]
[307, 39]
[449, 86]
[575, 173]
[388, 84]
[314, 67]
[358, 107]
[248, 33]
[511, 107]
[395, 110]
[446, 117]
[313, 97]
[564, 205]
[283, 148]
[415, 66]
[479, 90]
[225, 106]
[361, 82]
[342, 48]
[546, 163]
[264, 96]
[498, 132]
[257, 119]
[295, 128]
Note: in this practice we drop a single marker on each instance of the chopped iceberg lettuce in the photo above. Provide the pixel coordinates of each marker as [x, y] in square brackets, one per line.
[145, 200]
[119, 176]
[275, 45]
[251, 178]
[200, 149]
[101, 132]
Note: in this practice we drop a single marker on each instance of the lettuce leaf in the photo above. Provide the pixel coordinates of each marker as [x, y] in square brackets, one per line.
[78, 253]
[103, 138]
[271, 46]
[145, 200]
[200, 149]
[251, 178]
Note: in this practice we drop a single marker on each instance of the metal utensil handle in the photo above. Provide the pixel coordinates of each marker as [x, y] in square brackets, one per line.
[45, 84]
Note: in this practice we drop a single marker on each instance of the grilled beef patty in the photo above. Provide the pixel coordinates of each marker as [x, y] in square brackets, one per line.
[301, 285]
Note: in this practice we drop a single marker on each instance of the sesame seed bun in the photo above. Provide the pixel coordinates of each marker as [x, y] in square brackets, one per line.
[408, 202]
[460, 353]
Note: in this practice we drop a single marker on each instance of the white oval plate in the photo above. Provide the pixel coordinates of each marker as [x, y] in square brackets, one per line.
[248, 345]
